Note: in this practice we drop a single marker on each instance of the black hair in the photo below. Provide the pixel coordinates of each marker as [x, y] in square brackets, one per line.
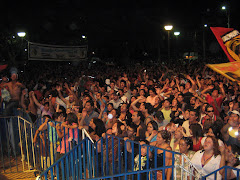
[154, 124]
[208, 106]
[139, 113]
[133, 126]
[188, 141]
[196, 129]
[72, 118]
[159, 115]
[91, 103]
[149, 107]
[100, 127]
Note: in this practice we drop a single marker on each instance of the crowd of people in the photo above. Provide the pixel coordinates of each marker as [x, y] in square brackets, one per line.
[188, 109]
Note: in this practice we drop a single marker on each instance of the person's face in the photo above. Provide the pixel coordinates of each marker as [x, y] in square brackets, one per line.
[210, 132]
[150, 128]
[46, 107]
[142, 93]
[112, 85]
[178, 134]
[192, 116]
[160, 140]
[180, 98]
[14, 77]
[134, 92]
[143, 149]
[109, 108]
[122, 84]
[115, 97]
[151, 93]
[187, 85]
[98, 96]
[172, 128]
[124, 108]
[92, 125]
[88, 107]
[135, 117]
[215, 93]
[113, 112]
[71, 99]
[203, 107]
[210, 111]
[208, 144]
[183, 147]
[133, 98]
[130, 131]
[142, 87]
[157, 100]
[166, 104]
[234, 118]
[174, 102]
[114, 129]
[142, 107]
[192, 100]
[76, 109]
[186, 115]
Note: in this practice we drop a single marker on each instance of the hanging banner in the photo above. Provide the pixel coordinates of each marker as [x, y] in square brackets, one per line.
[230, 70]
[229, 40]
[46, 52]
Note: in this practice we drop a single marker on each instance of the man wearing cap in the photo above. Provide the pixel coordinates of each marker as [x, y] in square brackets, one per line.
[14, 88]
[233, 124]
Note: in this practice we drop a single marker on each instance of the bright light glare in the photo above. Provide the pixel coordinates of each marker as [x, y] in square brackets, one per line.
[168, 27]
[205, 25]
[176, 33]
[223, 7]
[21, 34]
[83, 36]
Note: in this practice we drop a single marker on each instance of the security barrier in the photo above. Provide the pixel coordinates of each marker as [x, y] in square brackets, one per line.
[112, 157]
[213, 175]
[16, 135]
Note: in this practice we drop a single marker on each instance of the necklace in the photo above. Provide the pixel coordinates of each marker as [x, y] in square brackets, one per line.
[205, 160]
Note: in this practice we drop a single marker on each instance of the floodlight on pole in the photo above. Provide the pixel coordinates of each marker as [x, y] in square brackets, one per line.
[21, 34]
[168, 27]
[176, 33]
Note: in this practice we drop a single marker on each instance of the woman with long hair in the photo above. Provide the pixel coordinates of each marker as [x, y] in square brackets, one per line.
[197, 134]
[208, 159]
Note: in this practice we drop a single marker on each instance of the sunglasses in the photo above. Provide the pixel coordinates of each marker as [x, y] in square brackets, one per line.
[211, 111]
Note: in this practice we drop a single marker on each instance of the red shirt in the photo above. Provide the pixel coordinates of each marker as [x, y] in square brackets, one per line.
[219, 101]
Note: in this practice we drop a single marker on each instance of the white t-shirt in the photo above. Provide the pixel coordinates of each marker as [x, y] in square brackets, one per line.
[212, 165]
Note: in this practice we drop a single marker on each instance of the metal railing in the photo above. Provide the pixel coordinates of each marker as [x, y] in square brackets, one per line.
[113, 157]
[16, 137]
[214, 174]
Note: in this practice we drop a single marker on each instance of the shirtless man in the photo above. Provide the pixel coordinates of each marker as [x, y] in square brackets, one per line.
[14, 88]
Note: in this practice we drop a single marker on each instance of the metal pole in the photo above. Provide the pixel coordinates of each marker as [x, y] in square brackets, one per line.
[169, 46]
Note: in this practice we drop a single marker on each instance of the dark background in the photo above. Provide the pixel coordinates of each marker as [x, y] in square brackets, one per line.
[120, 30]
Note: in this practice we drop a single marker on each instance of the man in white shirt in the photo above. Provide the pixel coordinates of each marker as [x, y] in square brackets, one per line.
[193, 118]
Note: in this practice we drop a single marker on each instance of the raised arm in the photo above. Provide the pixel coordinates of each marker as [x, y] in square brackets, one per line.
[35, 100]
[58, 88]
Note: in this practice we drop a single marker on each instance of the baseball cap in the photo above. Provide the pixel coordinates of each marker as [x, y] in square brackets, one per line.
[234, 112]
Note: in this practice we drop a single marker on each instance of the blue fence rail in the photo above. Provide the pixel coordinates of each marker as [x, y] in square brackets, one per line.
[110, 156]
[226, 175]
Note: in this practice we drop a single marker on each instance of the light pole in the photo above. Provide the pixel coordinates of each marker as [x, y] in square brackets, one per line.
[224, 8]
[176, 33]
[168, 28]
[21, 34]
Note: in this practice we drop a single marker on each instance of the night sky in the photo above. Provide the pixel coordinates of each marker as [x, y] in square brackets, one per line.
[111, 25]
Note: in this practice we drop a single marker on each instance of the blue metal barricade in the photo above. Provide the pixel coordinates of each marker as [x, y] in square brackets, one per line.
[214, 174]
[110, 157]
